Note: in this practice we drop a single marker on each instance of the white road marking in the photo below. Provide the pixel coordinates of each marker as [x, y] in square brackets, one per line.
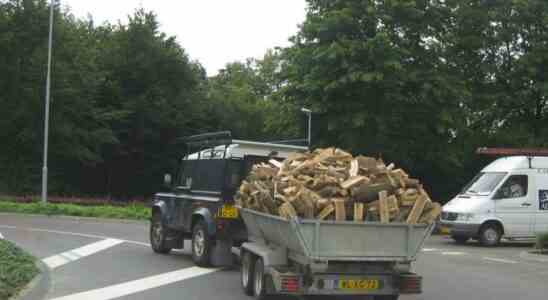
[429, 249]
[139, 285]
[8, 227]
[453, 253]
[58, 260]
[501, 260]
[74, 233]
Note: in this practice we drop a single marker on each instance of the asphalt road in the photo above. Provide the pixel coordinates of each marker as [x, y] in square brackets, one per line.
[99, 260]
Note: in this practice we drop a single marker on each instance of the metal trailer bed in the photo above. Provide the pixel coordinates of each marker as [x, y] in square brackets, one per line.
[331, 249]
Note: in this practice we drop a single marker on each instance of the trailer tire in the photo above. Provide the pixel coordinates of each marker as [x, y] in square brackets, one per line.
[247, 272]
[158, 234]
[259, 290]
[201, 245]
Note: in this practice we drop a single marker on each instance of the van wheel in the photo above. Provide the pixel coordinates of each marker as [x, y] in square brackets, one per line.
[490, 235]
[201, 245]
[247, 272]
[460, 239]
[158, 234]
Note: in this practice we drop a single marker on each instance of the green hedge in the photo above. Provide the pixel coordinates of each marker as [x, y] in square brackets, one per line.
[17, 269]
[131, 211]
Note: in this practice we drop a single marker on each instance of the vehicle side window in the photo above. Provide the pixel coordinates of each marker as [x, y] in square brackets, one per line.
[514, 187]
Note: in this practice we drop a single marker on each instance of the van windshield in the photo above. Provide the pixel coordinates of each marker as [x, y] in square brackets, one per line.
[484, 183]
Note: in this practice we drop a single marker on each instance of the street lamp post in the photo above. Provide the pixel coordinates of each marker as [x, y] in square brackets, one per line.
[308, 112]
[46, 119]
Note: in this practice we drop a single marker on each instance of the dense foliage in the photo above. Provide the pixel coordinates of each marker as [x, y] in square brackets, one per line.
[420, 82]
[17, 269]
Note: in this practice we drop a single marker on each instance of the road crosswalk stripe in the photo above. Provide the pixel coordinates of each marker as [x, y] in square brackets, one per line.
[58, 260]
[139, 285]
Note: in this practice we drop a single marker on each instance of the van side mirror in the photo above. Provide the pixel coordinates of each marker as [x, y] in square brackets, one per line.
[167, 180]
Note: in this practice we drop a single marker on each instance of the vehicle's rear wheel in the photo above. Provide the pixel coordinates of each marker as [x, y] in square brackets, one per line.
[247, 272]
[201, 245]
[158, 235]
[259, 290]
[490, 235]
[460, 239]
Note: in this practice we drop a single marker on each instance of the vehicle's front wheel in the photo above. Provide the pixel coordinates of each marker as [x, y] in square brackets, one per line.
[247, 272]
[460, 239]
[490, 235]
[158, 235]
[201, 245]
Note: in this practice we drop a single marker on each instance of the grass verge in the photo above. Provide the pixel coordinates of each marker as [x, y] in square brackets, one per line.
[17, 269]
[131, 211]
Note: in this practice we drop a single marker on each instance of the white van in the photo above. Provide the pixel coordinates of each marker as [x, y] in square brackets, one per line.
[508, 198]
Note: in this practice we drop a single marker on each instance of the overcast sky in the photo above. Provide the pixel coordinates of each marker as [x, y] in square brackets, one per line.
[213, 32]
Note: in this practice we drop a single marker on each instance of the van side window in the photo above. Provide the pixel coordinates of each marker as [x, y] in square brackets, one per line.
[514, 187]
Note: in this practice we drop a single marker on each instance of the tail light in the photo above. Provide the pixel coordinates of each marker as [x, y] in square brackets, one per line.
[410, 284]
[290, 284]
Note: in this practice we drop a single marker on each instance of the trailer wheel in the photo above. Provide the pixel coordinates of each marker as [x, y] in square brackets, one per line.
[247, 272]
[259, 290]
[201, 245]
[158, 235]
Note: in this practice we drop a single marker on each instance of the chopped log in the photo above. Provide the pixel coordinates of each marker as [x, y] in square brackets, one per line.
[352, 181]
[287, 211]
[393, 206]
[358, 211]
[329, 191]
[431, 215]
[417, 209]
[369, 192]
[276, 163]
[411, 183]
[340, 210]
[326, 211]
[409, 197]
[384, 211]
[354, 168]
[390, 167]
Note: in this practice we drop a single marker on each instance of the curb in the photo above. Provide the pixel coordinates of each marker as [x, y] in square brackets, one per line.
[38, 287]
[75, 218]
[534, 257]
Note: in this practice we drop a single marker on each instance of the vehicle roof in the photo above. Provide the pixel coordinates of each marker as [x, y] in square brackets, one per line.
[509, 163]
[240, 148]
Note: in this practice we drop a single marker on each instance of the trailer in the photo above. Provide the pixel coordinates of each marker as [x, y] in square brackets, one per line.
[312, 257]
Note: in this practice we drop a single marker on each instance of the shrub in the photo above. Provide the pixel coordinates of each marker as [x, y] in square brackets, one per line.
[542, 241]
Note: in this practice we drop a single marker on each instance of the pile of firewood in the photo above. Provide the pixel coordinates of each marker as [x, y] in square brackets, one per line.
[330, 184]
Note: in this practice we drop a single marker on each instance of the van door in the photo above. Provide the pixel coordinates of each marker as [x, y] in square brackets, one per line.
[541, 205]
[514, 205]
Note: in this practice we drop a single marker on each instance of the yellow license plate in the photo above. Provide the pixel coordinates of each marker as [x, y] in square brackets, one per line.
[359, 284]
[445, 230]
[229, 212]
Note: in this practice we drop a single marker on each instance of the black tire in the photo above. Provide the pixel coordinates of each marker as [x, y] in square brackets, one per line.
[259, 280]
[201, 245]
[461, 240]
[158, 234]
[247, 272]
[387, 297]
[490, 235]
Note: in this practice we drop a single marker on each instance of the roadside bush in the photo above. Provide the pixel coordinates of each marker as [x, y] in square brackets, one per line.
[17, 269]
[542, 241]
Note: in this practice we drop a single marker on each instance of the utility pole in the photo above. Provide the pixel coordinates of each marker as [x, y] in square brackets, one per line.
[308, 112]
[46, 119]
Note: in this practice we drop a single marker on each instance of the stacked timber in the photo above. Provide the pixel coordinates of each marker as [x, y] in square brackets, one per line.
[331, 184]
